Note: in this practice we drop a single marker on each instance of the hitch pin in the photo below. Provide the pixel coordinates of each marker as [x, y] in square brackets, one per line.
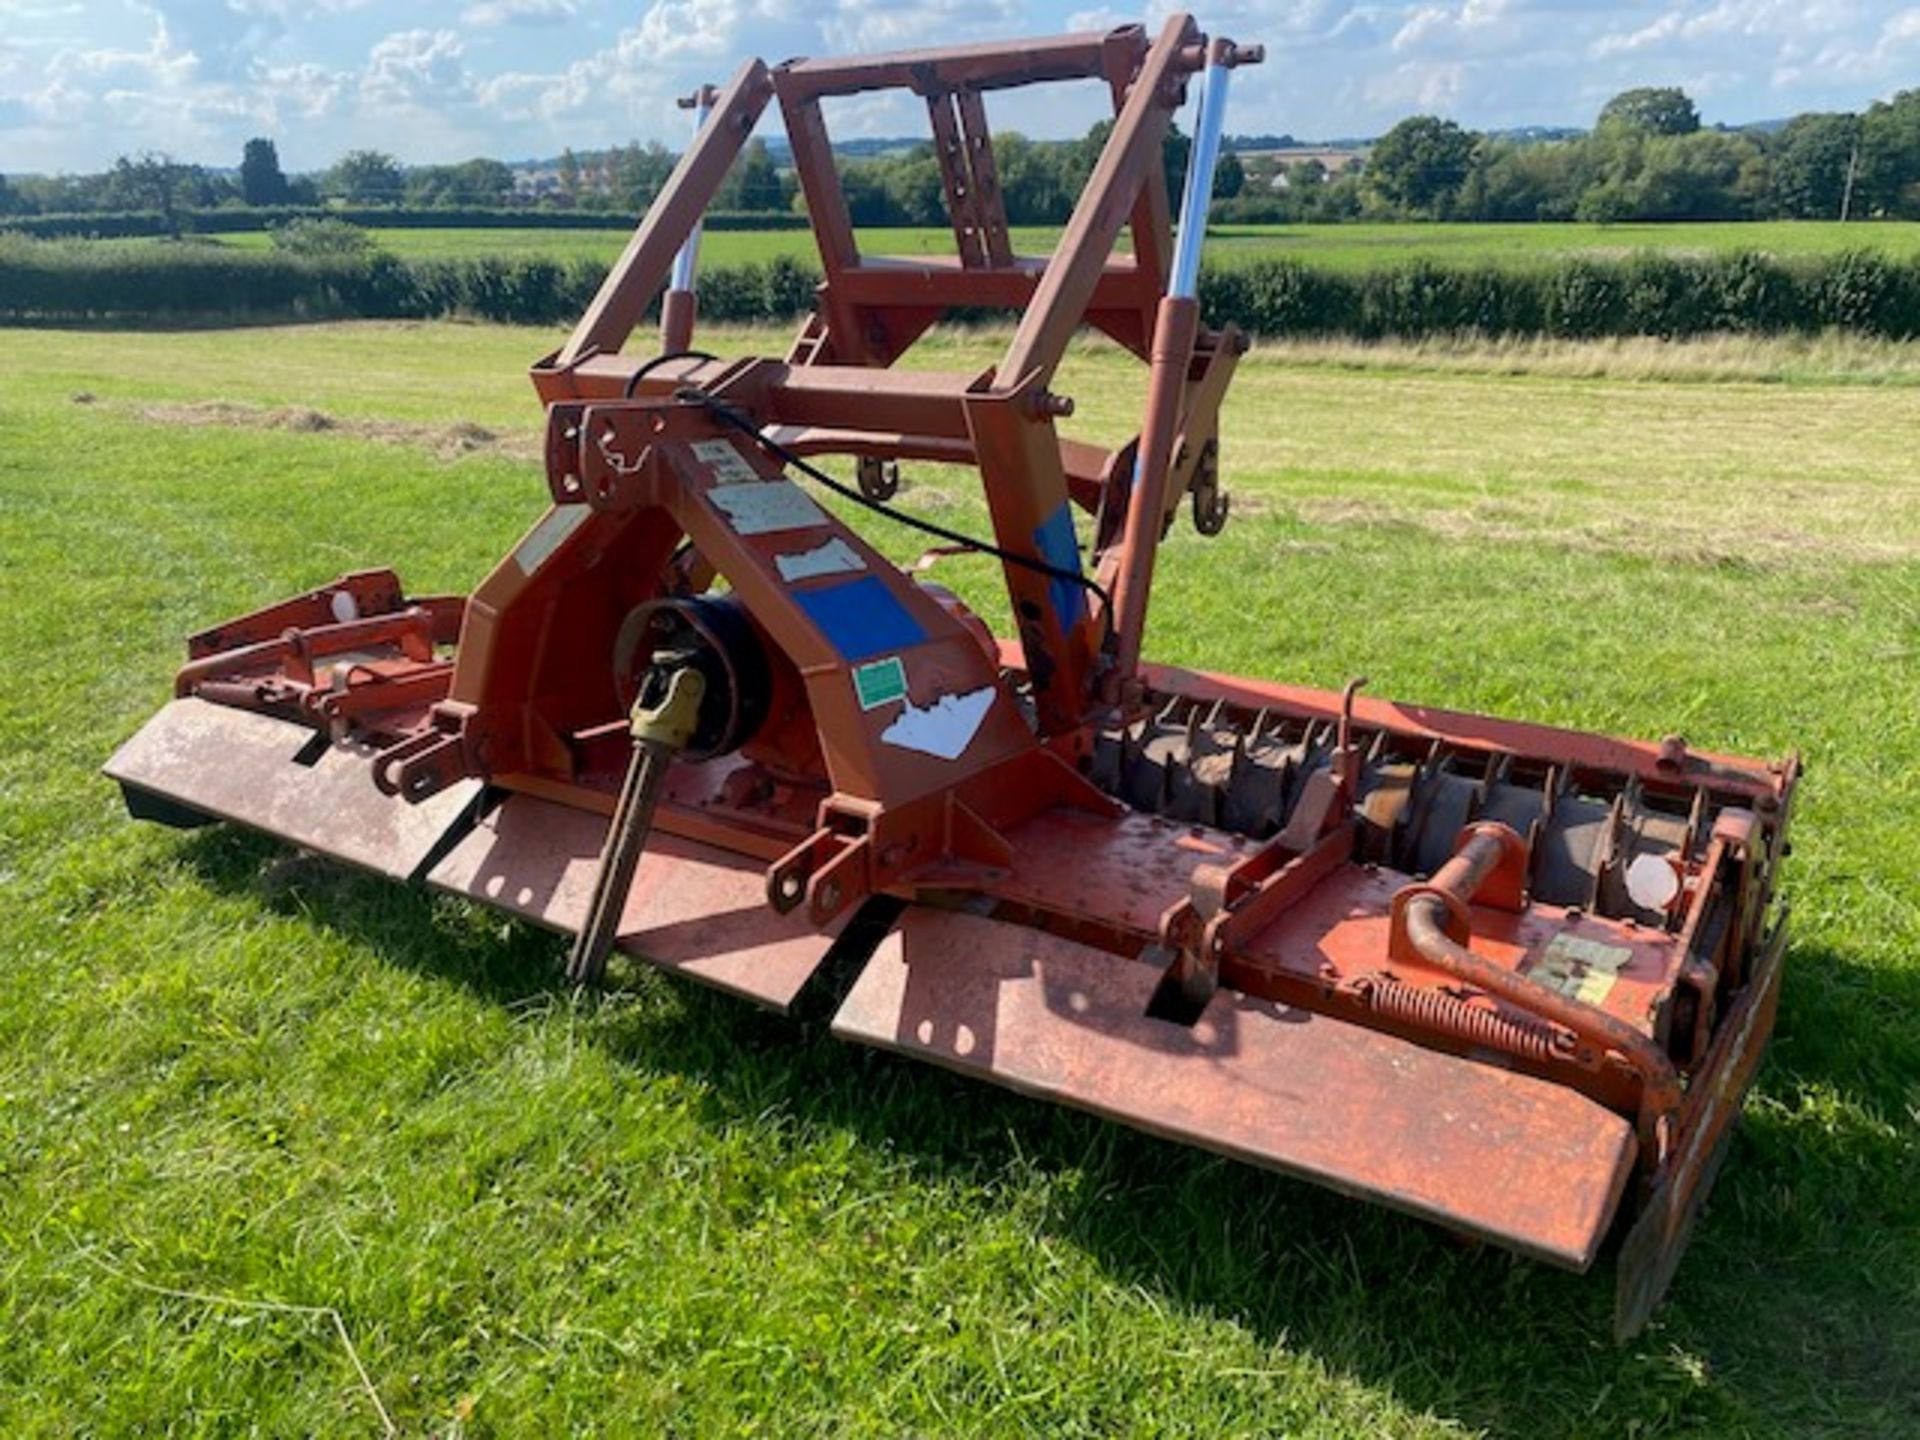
[1343, 752]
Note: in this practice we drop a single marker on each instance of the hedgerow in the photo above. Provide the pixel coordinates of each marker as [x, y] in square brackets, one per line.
[1650, 293]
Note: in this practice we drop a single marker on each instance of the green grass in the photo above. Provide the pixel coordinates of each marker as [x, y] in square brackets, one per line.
[1348, 247]
[230, 1071]
[1354, 247]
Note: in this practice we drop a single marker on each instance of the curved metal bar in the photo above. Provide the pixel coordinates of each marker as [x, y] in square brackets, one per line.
[1432, 921]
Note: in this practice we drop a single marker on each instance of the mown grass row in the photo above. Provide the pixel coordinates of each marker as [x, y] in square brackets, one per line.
[1647, 293]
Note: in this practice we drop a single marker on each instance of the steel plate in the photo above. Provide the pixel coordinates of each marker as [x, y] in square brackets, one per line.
[693, 909]
[1518, 1161]
[245, 767]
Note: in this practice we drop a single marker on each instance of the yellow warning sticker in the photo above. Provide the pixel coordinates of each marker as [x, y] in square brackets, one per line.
[1582, 968]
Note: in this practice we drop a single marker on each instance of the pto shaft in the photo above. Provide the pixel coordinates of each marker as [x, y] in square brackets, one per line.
[660, 732]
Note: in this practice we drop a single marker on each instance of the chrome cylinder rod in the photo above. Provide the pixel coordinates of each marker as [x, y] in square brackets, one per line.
[1201, 160]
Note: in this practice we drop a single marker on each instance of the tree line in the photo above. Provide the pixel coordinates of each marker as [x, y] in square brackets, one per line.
[1647, 158]
[622, 180]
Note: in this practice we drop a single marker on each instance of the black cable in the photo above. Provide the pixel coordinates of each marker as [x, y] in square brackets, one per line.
[728, 415]
[633, 380]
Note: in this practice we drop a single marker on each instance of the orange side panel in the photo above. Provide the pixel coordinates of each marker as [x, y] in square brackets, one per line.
[246, 767]
[695, 910]
[1515, 1160]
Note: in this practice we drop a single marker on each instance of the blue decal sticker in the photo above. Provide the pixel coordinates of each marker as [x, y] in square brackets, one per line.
[861, 617]
[1061, 549]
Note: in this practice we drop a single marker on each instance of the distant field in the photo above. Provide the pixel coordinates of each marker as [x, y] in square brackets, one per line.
[725, 247]
[1350, 247]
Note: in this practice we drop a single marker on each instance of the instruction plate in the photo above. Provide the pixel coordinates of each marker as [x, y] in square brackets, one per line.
[1582, 968]
[766, 507]
[724, 459]
[548, 536]
[880, 683]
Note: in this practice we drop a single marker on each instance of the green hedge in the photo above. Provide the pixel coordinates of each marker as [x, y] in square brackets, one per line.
[233, 219]
[1647, 294]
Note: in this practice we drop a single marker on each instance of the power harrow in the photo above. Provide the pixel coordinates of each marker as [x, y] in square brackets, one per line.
[1512, 979]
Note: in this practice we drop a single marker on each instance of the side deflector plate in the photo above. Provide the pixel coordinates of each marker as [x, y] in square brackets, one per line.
[254, 770]
[693, 909]
[1515, 1160]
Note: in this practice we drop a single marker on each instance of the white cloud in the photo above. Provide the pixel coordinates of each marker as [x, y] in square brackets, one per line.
[519, 12]
[82, 83]
[417, 67]
[864, 26]
[305, 91]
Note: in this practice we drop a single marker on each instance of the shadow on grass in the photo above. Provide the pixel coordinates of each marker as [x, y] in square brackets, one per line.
[1781, 1321]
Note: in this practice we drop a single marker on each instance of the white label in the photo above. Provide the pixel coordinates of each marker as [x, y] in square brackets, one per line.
[1585, 969]
[943, 729]
[548, 536]
[766, 506]
[836, 557]
[724, 459]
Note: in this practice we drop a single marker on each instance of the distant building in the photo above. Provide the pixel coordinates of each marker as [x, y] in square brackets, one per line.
[1277, 168]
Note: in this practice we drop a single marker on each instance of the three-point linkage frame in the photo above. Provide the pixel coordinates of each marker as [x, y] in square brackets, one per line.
[835, 394]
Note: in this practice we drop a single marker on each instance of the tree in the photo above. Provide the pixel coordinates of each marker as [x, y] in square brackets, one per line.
[1229, 177]
[7, 198]
[635, 173]
[470, 183]
[569, 174]
[1420, 164]
[754, 182]
[1511, 181]
[1698, 176]
[916, 193]
[1078, 157]
[366, 177]
[1889, 181]
[153, 181]
[864, 186]
[261, 180]
[1813, 156]
[1039, 183]
[1651, 110]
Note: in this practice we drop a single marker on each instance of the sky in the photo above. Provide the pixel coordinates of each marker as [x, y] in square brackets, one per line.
[82, 81]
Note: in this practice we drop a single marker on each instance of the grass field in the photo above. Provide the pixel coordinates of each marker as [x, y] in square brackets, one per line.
[1337, 246]
[232, 1077]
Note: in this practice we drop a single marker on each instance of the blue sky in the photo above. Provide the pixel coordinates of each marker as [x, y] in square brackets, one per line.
[437, 80]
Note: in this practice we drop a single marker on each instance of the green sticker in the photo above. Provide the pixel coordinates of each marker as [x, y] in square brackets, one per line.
[879, 682]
